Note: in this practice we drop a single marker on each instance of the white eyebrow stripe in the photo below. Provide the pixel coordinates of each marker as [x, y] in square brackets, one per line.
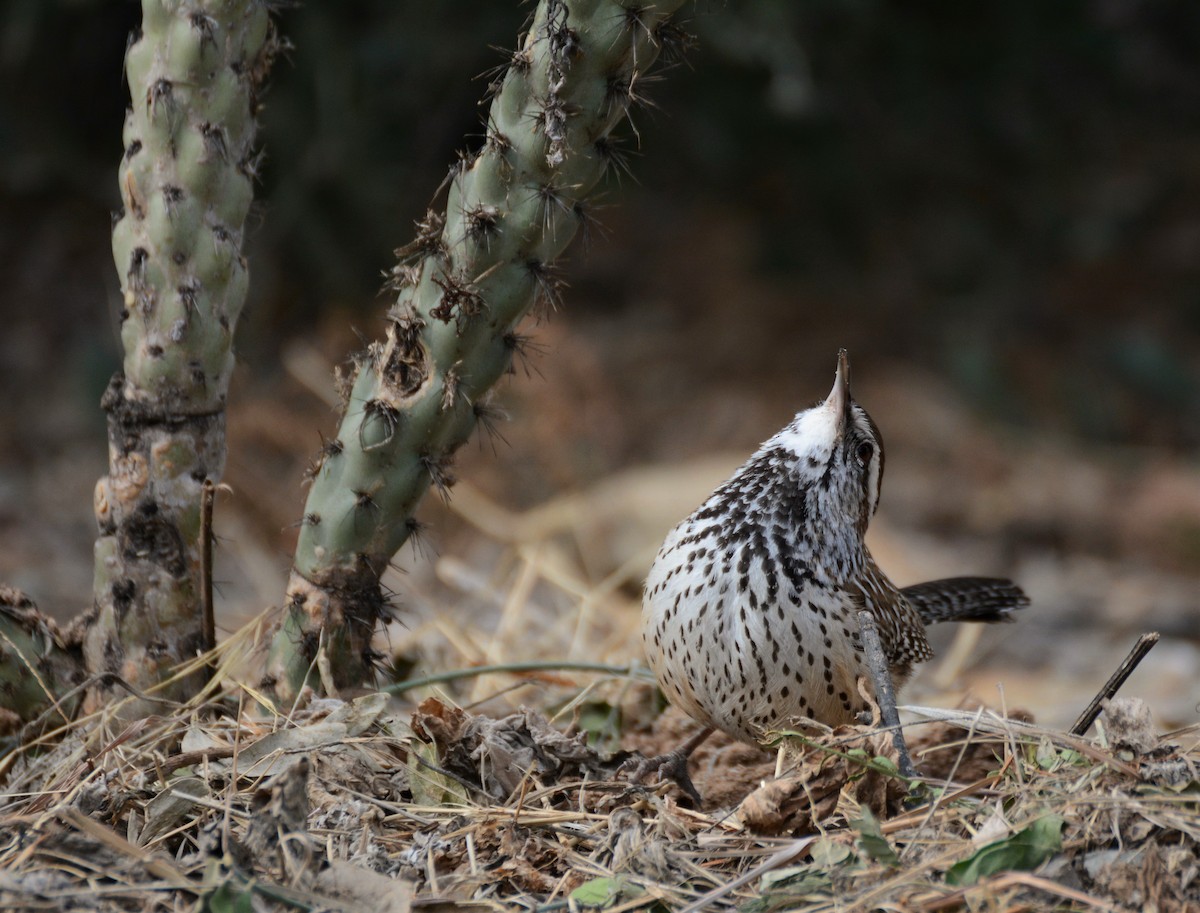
[867, 430]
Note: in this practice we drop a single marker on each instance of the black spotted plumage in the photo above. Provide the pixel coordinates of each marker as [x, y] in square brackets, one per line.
[750, 609]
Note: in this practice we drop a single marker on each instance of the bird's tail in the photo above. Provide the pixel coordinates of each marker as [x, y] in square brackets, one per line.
[966, 599]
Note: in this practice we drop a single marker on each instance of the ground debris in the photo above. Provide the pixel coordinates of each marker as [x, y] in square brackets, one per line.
[952, 752]
[847, 768]
[279, 821]
[725, 771]
[1129, 726]
[497, 756]
[361, 891]
[202, 809]
[1149, 877]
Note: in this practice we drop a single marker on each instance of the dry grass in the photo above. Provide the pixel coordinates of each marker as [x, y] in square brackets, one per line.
[452, 795]
[200, 805]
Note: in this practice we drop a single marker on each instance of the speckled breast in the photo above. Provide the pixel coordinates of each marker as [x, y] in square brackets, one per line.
[745, 641]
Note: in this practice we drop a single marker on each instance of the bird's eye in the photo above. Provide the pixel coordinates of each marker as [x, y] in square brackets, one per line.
[864, 452]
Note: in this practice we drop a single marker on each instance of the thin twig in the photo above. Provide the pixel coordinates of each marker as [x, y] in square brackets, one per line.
[937, 799]
[630, 671]
[1144, 645]
[207, 496]
[1024, 879]
[885, 694]
[783, 856]
[169, 765]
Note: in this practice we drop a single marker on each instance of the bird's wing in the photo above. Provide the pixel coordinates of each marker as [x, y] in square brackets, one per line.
[901, 629]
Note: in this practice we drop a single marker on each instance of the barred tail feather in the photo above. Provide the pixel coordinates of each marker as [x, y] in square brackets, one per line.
[966, 599]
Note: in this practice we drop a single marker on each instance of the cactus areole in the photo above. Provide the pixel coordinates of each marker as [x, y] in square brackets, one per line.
[186, 176]
[463, 286]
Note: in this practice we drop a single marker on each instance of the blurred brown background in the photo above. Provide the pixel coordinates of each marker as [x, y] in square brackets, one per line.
[995, 208]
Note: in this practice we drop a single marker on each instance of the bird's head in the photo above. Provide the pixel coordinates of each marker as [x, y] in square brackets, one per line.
[839, 452]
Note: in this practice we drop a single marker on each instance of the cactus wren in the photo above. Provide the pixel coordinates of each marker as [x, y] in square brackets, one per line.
[750, 611]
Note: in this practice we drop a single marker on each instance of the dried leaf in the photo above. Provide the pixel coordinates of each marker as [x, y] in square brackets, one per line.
[783, 805]
[361, 889]
[429, 785]
[599, 892]
[1026, 849]
[865, 773]
[434, 721]
[831, 854]
[791, 887]
[348, 720]
[166, 810]
[871, 840]
[361, 713]
[227, 898]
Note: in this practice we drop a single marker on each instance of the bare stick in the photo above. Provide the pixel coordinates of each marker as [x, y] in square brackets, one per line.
[206, 576]
[885, 694]
[1143, 646]
[630, 671]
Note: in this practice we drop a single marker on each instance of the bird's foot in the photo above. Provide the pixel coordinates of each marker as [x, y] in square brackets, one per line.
[670, 766]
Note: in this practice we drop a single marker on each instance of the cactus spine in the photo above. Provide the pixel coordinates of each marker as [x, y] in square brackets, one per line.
[463, 286]
[186, 184]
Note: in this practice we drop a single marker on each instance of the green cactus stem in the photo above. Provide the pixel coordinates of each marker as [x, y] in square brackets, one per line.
[186, 176]
[40, 666]
[463, 286]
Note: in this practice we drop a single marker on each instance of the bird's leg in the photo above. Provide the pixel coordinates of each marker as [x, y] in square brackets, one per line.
[673, 766]
[885, 694]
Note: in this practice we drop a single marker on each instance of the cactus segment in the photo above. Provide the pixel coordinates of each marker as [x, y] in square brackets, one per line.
[40, 665]
[186, 182]
[464, 284]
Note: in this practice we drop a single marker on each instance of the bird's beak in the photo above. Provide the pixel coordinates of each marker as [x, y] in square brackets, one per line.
[839, 397]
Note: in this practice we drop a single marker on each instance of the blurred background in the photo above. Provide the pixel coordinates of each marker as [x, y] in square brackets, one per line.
[994, 207]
